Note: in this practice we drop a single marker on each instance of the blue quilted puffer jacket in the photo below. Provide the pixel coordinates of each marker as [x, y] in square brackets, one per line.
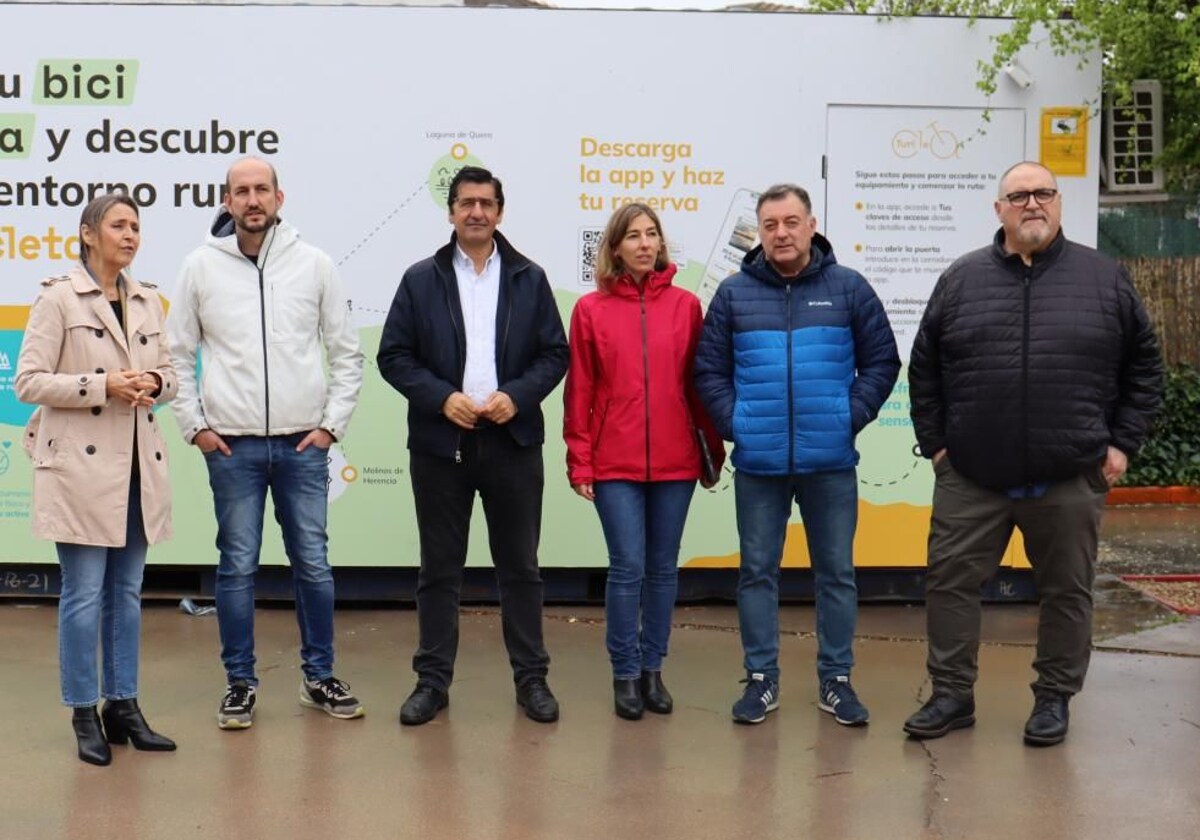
[791, 370]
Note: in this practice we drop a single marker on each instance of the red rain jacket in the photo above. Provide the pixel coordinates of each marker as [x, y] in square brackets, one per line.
[630, 405]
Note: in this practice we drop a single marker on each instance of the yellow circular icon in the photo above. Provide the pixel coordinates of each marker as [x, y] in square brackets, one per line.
[458, 151]
[858, 248]
[858, 205]
[349, 474]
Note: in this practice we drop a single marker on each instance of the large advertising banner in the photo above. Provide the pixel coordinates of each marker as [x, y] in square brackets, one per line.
[367, 113]
[910, 190]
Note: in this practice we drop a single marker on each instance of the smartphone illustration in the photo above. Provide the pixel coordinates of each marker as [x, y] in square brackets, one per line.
[738, 235]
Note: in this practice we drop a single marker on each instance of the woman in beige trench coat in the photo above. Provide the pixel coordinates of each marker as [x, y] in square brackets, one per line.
[94, 359]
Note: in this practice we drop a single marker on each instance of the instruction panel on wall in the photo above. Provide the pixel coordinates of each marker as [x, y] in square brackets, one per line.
[367, 138]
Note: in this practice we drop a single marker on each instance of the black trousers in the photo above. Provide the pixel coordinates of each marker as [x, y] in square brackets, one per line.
[509, 480]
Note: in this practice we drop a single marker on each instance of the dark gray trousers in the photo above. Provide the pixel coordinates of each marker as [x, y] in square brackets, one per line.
[969, 532]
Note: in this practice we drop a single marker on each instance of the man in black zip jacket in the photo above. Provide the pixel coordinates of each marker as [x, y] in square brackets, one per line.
[1034, 376]
[475, 342]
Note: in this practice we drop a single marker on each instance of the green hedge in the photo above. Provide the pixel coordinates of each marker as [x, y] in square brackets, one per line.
[1172, 454]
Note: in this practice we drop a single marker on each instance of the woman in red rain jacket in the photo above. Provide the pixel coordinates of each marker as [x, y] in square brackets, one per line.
[630, 424]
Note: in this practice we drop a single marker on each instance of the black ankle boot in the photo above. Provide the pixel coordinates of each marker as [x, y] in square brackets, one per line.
[655, 694]
[123, 722]
[627, 697]
[92, 747]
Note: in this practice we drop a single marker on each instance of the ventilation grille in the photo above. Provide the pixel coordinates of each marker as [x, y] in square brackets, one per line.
[1134, 141]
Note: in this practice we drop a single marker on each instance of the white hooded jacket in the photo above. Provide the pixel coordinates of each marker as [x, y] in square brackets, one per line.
[257, 331]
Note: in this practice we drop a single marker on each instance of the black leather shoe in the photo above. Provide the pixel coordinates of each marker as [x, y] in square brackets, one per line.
[941, 714]
[627, 699]
[535, 698]
[92, 747]
[123, 722]
[655, 694]
[1047, 724]
[423, 705]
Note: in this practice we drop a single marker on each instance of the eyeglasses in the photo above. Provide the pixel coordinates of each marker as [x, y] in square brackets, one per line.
[485, 204]
[1021, 197]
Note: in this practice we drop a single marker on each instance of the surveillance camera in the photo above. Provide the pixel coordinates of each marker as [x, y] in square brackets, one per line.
[1019, 75]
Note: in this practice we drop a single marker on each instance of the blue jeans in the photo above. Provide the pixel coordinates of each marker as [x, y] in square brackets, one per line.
[101, 594]
[643, 526]
[298, 482]
[828, 504]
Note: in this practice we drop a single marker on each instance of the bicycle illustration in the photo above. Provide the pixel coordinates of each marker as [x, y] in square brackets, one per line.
[941, 142]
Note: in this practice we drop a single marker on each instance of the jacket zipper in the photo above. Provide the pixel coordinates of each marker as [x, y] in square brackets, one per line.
[504, 335]
[462, 367]
[787, 297]
[262, 312]
[645, 372]
[1025, 382]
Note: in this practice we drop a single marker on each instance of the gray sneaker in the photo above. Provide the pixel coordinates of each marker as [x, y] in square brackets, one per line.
[332, 696]
[237, 707]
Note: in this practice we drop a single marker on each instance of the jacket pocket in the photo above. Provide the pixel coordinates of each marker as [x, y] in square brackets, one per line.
[942, 466]
[29, 442]
[1095, 478]
[600, 426]
[49, 454]
[48, 438]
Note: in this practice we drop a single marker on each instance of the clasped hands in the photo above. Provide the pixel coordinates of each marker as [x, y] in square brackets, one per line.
[462, 411]
[133, 386]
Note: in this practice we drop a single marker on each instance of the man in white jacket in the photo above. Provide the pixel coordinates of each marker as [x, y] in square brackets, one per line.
[256, 305]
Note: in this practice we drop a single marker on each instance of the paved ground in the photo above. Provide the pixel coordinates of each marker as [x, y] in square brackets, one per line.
[481, 770]
[1128, 769]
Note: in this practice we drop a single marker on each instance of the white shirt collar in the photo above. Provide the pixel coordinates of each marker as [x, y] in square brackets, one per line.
[464, 261]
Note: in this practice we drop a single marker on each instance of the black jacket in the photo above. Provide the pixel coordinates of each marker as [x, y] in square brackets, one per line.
[423, 348]
[1026, 374]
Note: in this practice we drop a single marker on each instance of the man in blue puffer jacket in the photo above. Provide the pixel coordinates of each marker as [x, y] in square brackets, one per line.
[795, 358]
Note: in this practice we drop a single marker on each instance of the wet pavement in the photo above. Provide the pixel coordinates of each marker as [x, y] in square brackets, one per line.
[1129, 768]
[481, 770]
[1151, 540]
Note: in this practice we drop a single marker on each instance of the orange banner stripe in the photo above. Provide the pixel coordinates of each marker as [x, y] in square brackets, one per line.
[13, 317]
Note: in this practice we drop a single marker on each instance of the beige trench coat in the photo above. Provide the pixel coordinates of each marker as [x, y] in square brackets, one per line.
[80, 441]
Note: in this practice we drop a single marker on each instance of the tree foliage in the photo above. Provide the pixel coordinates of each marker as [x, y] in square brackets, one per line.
[1138, 39]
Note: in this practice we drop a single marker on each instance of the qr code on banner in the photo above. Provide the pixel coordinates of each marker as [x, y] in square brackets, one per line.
[589, 248]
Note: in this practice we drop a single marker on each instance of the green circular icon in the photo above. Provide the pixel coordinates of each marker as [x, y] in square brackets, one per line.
[444, 170]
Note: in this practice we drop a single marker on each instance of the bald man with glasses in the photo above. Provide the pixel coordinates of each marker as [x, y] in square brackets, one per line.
[1035, 375]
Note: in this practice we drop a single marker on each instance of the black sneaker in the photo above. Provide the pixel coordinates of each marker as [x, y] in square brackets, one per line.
[331, 695]
[237, 707]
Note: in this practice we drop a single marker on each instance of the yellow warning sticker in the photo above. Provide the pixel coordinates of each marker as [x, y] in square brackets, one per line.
[1064, 140]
